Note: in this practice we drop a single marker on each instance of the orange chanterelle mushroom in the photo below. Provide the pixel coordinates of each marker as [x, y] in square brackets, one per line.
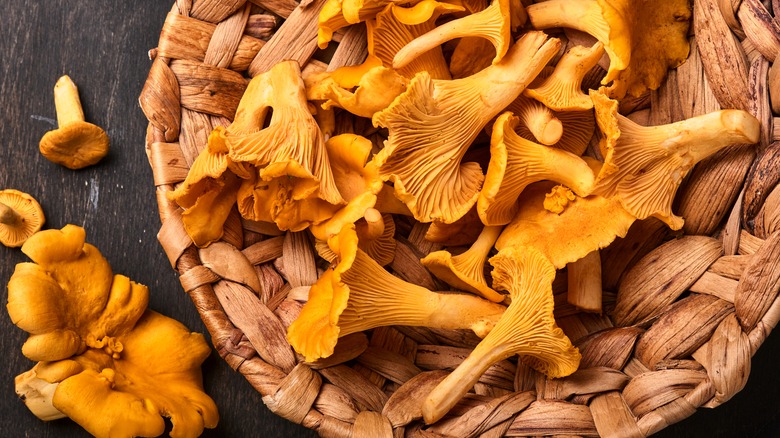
[20, 217]
[357, 294]
[432, 124]
[527, 328]
[105, 360]
[643, 39]
[76, 143]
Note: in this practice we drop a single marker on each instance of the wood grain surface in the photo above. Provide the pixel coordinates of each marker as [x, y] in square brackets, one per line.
[103, 46]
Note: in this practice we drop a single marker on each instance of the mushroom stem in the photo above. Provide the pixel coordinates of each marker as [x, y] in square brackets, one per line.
[542, 123]
[584, 15]
[466, 271]
[374, 225]
[8, 215]
[562, 90]
[490, 23]
[67, 102]
[37, 394]
[452, 389]
[584, 278]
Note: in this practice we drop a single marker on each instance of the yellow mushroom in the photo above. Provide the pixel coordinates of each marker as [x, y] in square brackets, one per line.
[375, 91]
[539, 121]
[643, 40]
[359, 184]
[463, 231]
[208, 193]
[387, 35]
[493, 23]
[61, 298]
[466, 271]
[156, 375]
[433, 123]
[562, 90]
[21, 216]
[292, 184]
[527, 329]
[357, 294]
[376, 238]
[583, 224]
[75, 143]
[515, 163]
[106, 361]
[644, 165]
[337, 14]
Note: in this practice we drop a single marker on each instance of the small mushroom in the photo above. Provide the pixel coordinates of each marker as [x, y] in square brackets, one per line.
[387, 35]
[561, 91]
[466, 271]
[76, 143]
[538, 120]
[20, 217]
[492, 23]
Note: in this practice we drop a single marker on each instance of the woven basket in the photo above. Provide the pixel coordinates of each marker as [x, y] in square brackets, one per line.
[715, 283]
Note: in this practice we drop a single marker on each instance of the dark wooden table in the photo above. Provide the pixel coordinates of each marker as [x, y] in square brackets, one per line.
[103, 46]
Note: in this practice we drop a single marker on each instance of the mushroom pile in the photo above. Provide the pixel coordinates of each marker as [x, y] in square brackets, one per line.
[469, 117]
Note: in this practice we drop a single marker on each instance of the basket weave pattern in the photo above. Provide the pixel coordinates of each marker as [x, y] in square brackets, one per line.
[703, 300]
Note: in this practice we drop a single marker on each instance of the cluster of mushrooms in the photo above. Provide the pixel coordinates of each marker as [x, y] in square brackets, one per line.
[446, 81]
[103, 358]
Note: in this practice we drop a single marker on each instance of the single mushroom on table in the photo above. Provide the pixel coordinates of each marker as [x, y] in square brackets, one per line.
[76, 143]
[104, 359]
[20, 217]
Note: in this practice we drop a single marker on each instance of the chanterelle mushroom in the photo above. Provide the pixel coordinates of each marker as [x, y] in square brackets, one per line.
[357, 294]
[492, 23]
[76, 143]
[466, 271]
[433, 123]
[644, 165]
[515, 163]
[527, 328]
[643, 39]
[20, 217]
[106, 361]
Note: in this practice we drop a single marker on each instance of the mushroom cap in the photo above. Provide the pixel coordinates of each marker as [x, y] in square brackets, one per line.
[68, 299]
[158, 374]
[586, 224]
[76, 145]
[30, 218]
